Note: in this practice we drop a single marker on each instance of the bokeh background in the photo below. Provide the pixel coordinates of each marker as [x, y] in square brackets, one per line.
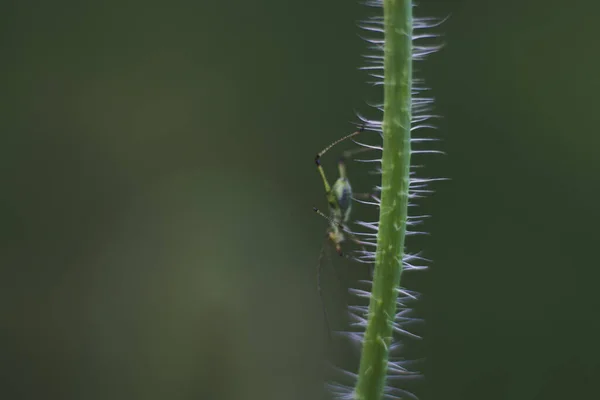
[157, 184]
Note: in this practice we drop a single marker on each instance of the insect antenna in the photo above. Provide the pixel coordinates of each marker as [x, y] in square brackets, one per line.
[326, 149]
[319, 289]
[331, 221]
[326, 254]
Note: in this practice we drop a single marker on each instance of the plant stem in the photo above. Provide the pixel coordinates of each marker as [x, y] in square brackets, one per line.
[394, 199]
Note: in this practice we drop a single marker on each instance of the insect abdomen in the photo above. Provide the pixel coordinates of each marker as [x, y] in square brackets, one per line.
[343, 194]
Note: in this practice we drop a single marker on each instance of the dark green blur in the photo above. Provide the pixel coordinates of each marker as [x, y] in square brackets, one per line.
[157, 238]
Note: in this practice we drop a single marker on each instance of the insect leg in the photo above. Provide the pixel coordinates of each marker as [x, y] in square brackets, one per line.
[350, 153]
[325, 150]
[364, 250]
[363, 196]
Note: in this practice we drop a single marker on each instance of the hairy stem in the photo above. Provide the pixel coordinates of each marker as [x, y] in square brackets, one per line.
[394, 199]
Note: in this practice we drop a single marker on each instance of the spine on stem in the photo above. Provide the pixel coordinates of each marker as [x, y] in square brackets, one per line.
[395, 180]
[406, 111]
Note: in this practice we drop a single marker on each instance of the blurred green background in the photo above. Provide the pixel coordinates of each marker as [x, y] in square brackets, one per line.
[157, 184]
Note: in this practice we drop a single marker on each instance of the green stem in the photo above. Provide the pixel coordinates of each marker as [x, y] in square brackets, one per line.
[394, 198]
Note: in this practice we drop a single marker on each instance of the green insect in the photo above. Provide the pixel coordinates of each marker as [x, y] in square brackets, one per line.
[339, 198]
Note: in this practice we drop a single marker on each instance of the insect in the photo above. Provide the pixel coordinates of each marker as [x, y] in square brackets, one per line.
[339, 199]
[339, 196]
